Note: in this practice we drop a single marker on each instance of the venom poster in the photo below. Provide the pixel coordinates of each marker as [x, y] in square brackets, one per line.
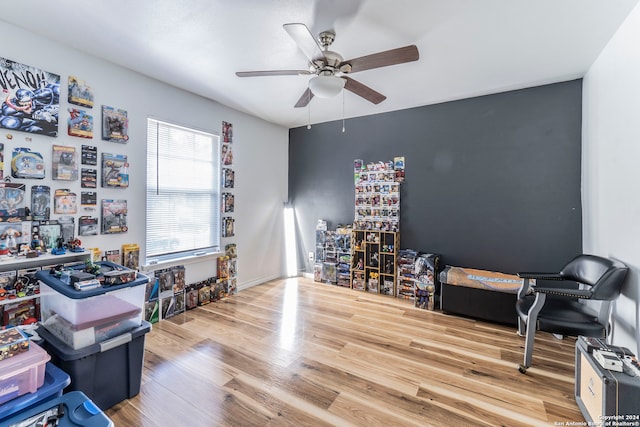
[30, 98]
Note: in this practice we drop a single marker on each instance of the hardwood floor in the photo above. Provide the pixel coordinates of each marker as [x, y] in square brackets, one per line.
[298, 353]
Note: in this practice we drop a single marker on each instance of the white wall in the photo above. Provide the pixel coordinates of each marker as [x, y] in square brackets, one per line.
[611, 168]
[260, 152]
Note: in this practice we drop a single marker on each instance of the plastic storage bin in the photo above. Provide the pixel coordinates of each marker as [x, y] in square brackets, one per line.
[22, 373]
[83, 318]
[107, 372]
[77, 409]
[55, 380]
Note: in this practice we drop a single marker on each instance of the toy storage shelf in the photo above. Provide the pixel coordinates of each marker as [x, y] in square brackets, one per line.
[46, 259]
[374, 261]
[16, 263]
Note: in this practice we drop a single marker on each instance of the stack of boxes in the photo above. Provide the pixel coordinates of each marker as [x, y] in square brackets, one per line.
[426, 282]
[406, 275]
[96, 335]
[343, 247]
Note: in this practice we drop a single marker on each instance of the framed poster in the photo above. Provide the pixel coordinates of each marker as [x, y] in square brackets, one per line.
[31, 98]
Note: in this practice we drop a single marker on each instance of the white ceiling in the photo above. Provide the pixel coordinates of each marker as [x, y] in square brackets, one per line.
[467, 47]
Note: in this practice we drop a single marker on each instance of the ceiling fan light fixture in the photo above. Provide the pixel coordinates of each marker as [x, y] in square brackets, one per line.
[326, 86]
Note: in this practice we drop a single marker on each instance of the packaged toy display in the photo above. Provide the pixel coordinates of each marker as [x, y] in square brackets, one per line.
[80, 93]
[12, 200]
[65, 165]
[118, 277]
[131, 256]
[204, 293]
[12, 342]
[152, 311]
[115, 170]
[40, 202]
[114, 216]
[27, 164]
[426, 269]
[80, 123]
[115, 124]
[191, 296]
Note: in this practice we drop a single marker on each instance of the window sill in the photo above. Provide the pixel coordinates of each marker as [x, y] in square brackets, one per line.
[155, 263]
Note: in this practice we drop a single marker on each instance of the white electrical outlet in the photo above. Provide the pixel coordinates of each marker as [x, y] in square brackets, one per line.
[310, 256]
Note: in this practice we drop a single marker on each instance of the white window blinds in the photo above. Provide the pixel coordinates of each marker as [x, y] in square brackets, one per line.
[183, 191]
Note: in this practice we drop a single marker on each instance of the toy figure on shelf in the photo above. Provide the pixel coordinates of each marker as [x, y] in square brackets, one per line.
[74, 245]
[9, 237]
[388, 267]
[373, 261]
[4, 250]
[92, 268]
[59, 249]
[36, 247]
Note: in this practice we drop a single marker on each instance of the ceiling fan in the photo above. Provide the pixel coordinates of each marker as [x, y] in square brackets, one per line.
[331, 69]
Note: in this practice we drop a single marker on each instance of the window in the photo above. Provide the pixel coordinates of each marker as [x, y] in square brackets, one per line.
[183, 192]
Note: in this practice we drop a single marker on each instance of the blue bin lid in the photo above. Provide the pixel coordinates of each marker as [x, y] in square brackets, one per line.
[55, 380]
[71, 292]
[78, 409]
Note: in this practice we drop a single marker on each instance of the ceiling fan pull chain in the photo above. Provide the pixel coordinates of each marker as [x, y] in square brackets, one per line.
[309, 115]
[342, 111]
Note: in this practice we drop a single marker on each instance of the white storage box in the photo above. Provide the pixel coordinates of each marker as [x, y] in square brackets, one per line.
[23, 373]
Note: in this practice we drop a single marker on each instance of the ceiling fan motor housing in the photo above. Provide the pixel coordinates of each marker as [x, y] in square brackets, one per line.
[329, 64]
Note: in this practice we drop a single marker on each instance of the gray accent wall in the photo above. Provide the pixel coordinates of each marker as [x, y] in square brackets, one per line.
[492, 182]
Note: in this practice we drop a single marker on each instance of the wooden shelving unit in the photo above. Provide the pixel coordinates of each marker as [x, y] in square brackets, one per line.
[374, 261]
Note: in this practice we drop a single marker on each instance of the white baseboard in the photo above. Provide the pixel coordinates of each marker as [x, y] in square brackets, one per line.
[255, 282]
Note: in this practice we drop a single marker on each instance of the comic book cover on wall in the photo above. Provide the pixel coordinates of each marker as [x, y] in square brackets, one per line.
[31, 98]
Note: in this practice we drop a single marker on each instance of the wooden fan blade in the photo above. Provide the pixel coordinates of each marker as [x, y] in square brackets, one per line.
[272, 73]
[383, 59]
[363, 90]
[304, 99]
[305, 40]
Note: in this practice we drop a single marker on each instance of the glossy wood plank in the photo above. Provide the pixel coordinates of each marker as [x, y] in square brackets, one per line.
[298, 353]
